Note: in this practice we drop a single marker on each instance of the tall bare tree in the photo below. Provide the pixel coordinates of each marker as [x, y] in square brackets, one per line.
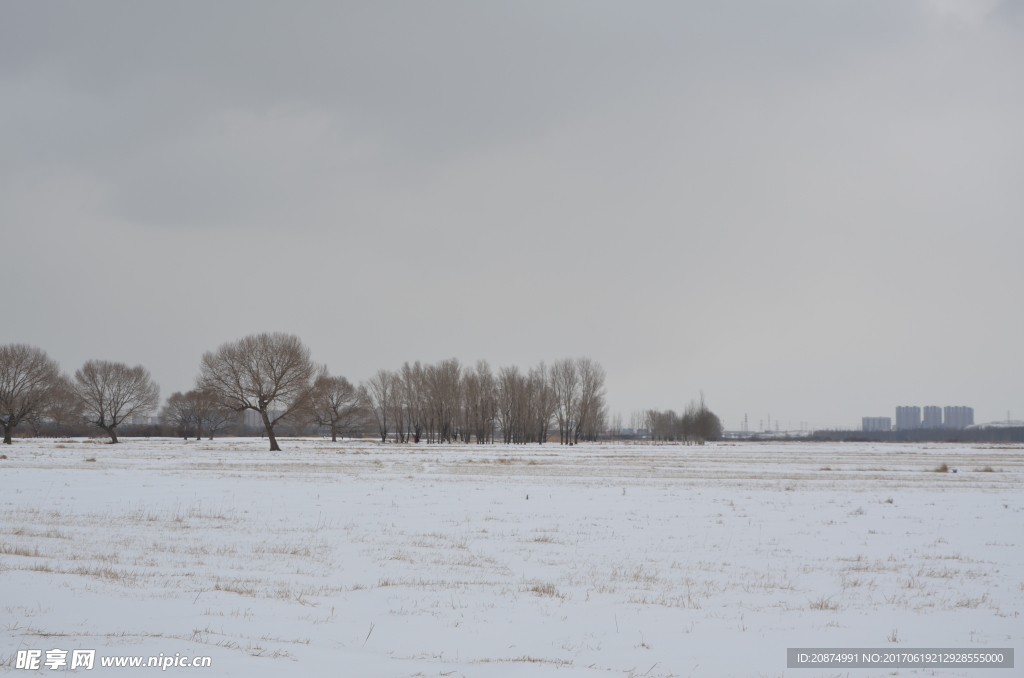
[382, 390]
[337, 405]
[477, 416]
[28, 380]
[443, 380]
[565, 382]
[412, 393]
[110, 393]
[591, 408]
[543, 399]
[269, 373]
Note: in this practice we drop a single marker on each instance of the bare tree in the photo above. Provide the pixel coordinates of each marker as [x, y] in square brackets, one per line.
[565, 382]
[110, 393]
[412, 394]
[699, 423]
[211, 415]
[542, 403]
[507, 388]
[180, 412]
[62, 408]
[382, 390]
[269, 373]
[443, 381]
[28, 380]
[478, 404]
[590, 410]
[337, 405]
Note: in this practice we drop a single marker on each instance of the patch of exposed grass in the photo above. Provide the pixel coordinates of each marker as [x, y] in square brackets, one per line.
[824, 603]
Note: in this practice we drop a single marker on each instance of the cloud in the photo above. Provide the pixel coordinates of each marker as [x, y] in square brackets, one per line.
[739, 197]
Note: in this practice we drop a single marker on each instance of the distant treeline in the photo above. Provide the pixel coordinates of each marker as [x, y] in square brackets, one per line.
[991, 434]
[269, 384]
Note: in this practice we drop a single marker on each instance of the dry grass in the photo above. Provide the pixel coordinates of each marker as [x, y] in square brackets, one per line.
[544, 589]
[941, 468]
[14, 550]
[824, 603]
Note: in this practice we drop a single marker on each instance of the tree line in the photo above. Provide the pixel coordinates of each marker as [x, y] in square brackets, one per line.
[696, 424]
[274, 376]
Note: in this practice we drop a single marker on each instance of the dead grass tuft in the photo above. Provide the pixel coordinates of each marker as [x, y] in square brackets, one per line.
[824, 603]
[544, 589]
[12, 550]
[942, 468]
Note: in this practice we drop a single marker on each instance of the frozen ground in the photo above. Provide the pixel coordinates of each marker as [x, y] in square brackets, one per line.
[358, 559]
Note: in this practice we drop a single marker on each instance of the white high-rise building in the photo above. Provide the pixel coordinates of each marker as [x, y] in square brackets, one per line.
[876, 423]
[958, 417]
[932, 417]
[908, 418]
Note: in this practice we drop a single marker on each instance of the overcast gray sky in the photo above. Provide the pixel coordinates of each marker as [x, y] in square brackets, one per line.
[813, 209]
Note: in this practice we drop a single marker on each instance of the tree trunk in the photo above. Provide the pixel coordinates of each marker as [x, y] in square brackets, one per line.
[334, 435]
[111, 433]
[7, 434]
[270, 431]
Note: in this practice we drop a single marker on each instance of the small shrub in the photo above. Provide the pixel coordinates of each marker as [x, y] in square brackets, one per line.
[942, 468]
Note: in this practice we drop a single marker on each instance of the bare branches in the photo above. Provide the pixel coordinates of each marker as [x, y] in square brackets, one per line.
[109, 393]
[337, 405]
[180, 413]
[696, 425]
[382, 392]
[28, 380]
[259, 371]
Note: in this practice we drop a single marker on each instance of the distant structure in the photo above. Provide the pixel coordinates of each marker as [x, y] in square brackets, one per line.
[876, 423]
[958, 417]
[908, 418]
[932, 417]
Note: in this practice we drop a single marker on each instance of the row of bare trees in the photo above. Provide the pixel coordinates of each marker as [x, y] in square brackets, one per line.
[101, 394]
[695, 425]
[273, 375]
[447, 401]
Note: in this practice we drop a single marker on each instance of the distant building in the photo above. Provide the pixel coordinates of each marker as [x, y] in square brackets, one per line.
[958, 417]
[876, 423]
[908, 418]
[253, 419]
[932, 417]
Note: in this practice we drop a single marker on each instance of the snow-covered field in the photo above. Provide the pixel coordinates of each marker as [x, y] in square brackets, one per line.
[360, 559]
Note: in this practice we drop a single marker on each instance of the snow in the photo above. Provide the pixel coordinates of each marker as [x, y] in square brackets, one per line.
[361, 559]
